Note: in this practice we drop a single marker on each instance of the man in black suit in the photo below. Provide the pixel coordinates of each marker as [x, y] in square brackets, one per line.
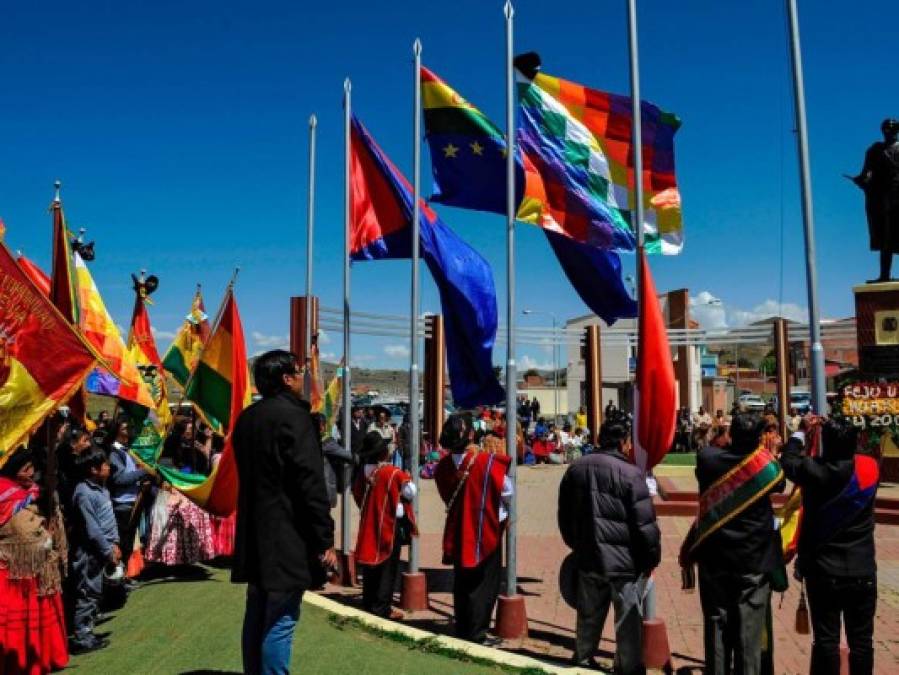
[285, 535]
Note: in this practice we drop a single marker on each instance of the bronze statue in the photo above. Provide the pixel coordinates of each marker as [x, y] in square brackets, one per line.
[879, 179]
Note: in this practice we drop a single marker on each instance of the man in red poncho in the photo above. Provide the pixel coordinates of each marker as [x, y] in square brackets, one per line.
[384, 493]
[475, 487]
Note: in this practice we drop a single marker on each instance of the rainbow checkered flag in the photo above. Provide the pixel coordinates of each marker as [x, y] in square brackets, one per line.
[579, 140]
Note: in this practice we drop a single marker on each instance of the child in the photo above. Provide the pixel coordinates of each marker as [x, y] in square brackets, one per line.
[384, 494]
[96, 542]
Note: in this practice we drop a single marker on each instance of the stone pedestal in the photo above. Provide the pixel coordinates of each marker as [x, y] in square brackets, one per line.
[511, 617]
[414, 593]
[877, 329]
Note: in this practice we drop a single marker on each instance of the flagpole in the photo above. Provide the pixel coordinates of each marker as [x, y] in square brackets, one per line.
[511, 375]
[310, 228]
[819, 395]
[414, 426]
[347, 403]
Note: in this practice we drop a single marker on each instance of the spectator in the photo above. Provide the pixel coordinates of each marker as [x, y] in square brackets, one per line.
[606, 517]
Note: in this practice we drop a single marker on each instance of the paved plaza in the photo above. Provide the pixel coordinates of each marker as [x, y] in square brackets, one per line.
[551, 621]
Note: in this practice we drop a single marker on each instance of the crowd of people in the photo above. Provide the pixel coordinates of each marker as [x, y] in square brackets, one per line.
[73, 545]
[81, 521]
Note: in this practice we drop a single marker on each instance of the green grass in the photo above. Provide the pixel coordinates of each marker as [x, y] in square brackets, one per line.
[194, 626]
[680, 459]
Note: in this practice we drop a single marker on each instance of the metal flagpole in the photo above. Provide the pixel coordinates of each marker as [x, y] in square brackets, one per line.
[414, 424]
[310, 227]
[819, 396]
[347, 403]
[511, 375]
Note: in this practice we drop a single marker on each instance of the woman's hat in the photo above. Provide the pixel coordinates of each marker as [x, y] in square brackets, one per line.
[21, 457]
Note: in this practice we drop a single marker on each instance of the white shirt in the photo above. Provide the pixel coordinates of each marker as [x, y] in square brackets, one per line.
[407, 491]
[506, 494]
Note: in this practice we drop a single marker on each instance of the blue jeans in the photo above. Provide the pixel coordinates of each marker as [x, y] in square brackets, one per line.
[268, 626]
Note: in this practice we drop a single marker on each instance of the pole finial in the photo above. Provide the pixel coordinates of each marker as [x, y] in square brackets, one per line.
[313, 121]
[347, 86]
[508, 10]
[56, 185]
[416, 47]
[234, 278]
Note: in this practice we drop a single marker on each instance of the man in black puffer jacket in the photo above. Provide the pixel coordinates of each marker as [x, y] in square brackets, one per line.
[606, 517]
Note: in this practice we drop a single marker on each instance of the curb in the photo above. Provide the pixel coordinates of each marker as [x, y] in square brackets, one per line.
[496, 656]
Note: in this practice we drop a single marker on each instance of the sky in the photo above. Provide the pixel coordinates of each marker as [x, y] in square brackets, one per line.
[179, 131]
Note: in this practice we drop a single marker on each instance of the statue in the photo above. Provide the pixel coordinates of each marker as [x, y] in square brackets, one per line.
[879, 178]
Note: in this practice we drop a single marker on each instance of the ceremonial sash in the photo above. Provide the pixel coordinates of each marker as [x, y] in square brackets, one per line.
[734, 492]
[835, 514]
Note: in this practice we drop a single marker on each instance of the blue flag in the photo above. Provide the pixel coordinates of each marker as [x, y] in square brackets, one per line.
[381, 222]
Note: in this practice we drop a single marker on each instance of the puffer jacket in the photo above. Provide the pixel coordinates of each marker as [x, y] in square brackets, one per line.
[607, 518]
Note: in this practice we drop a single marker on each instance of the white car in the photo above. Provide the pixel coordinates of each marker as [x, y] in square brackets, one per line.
[752, 402]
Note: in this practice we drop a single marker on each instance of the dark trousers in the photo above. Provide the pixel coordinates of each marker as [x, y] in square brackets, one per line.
[378, 582]
[475, 590]
[853, 599]
[594, 596]
[734, 609]
[127, 530]
[87, 584]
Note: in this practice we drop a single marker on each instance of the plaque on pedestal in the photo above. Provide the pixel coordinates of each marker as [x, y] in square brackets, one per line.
[877, 329]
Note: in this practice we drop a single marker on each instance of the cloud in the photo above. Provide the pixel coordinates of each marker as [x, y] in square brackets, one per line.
[360, 360]
[711, 312]
[527, 362]
[163, 334]
[270, 341]
[323, 337]
[328, 356]
[396, 351]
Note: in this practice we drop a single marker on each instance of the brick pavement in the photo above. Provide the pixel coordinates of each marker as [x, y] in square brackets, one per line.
[551, 621]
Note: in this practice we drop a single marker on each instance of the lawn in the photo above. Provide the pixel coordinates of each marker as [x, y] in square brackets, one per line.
[680, 459]
[193, 626]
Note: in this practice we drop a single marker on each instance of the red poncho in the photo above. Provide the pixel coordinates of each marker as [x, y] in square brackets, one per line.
[378, 496]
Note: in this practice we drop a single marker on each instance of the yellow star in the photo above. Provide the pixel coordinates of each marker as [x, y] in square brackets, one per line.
[477, 148]
[450, 151]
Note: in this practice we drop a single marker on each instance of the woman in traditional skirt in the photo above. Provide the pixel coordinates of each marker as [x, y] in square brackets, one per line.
[32, 619]
[180, 531]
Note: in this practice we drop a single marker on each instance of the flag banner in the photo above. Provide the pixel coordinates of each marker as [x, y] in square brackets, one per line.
[220, 388]
[579, 140]
[101, 332]
[469, 168]
[62, 281]
[330, 405]
[184, 352]
[316, 386]
[102, 382]
[381, 201]
[151, 423]
[38, 277]
[32, 385]
[655, 391]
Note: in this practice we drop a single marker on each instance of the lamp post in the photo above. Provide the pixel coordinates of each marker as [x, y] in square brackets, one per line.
[527, 312]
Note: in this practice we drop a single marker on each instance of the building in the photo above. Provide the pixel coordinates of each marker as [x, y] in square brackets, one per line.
[619, 359]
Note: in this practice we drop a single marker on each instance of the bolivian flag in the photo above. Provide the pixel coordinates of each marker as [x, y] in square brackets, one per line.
[220, 388]
[184, 353]
[43, 360]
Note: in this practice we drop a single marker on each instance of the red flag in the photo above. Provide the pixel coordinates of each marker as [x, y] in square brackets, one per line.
[656, 388]
[35, 273]
[62, 281]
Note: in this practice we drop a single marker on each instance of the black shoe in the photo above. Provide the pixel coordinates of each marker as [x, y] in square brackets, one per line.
[585, 663]
[91, 645]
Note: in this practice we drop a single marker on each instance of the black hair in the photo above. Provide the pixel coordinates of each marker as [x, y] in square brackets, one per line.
[454, 435]
[839, 439]
[613, 433]
[746, 429]
[374, 447]
[93, 458]
[318, 419]
[270, 369]
[16, 461]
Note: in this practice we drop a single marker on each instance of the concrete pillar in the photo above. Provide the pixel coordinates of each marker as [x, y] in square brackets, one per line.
[298, 325]
[782, 372]
[434, 376]
[679, 317]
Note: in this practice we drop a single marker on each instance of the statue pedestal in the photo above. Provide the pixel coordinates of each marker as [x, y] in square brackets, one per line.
[877, 329]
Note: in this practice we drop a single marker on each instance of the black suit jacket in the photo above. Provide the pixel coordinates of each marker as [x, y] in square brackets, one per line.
[748, 543]
[283, 513]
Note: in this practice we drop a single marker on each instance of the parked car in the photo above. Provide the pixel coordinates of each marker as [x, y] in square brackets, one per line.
[802, 401]
[752, 402]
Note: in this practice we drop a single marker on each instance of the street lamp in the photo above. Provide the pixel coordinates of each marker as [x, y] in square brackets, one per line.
[526, 312]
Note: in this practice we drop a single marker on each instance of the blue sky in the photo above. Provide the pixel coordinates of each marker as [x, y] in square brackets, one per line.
[179, 132]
